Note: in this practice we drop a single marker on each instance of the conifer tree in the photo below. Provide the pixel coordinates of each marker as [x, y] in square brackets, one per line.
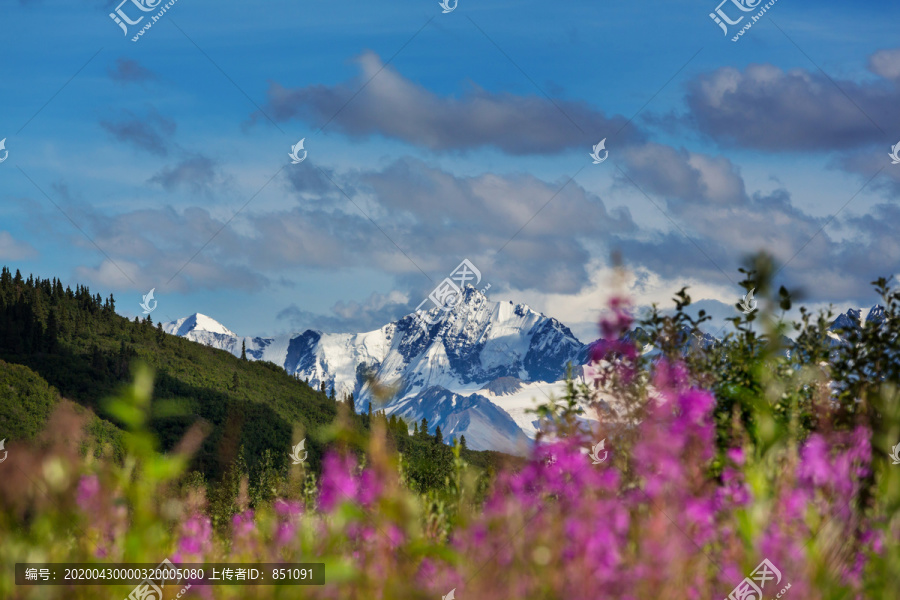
[243, 350]
[438, 436]
[462, 442]
[51, 335]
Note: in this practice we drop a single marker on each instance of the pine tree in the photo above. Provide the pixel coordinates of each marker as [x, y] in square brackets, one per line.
[462, 442]
[122, 359]
[438, 436]
[351, 402]
[98, 362]
[416, 429]
[423, 429]
[51, 335]
[243, 350]
[322, 387]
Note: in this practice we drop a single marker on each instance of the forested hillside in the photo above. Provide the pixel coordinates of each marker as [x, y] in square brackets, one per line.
[76, 342]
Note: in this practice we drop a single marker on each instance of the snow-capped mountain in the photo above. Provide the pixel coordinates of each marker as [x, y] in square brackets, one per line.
[853, 318]
[197, 323]
[473, 373]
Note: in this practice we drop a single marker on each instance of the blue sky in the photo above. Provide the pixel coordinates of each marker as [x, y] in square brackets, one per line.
[432, 138]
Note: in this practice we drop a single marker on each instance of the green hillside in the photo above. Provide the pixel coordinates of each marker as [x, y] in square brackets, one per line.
[26, 401]
[76, 343]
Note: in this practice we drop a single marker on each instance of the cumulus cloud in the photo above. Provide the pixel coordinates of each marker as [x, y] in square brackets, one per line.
[351, 317]
[438, 220]
[13, 249]
[154, 133]
[686, 176]
[150, 132]
[767, 108]
[313, 182]
[718, 225]
[886, 63]
[196, 173]
[396, 107]
[522, 232]
[869, 162]
[582, 311]
[156, 247]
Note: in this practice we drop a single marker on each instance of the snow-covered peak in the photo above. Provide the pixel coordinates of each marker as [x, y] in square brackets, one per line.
[853, 318]
[196, 322]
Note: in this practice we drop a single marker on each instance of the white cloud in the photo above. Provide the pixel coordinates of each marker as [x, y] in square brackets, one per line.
[12, 249]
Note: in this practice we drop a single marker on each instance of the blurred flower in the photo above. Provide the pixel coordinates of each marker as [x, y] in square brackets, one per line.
[338, 483]
[194, 540]
[88, 489]
[612, 346]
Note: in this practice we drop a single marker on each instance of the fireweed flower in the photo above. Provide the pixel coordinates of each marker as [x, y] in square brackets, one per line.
[111, 522]
[288, 518]
[194, 539]
[338, 483]
[735, 455]
[288, 508]
[558, 495]
[88, 491]
[243, 524]
[585, 529]
[630, 534]
[369, 488]
[244, 533]
[612, 346]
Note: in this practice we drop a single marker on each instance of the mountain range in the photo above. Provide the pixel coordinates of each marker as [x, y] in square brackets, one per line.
[475, 371]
